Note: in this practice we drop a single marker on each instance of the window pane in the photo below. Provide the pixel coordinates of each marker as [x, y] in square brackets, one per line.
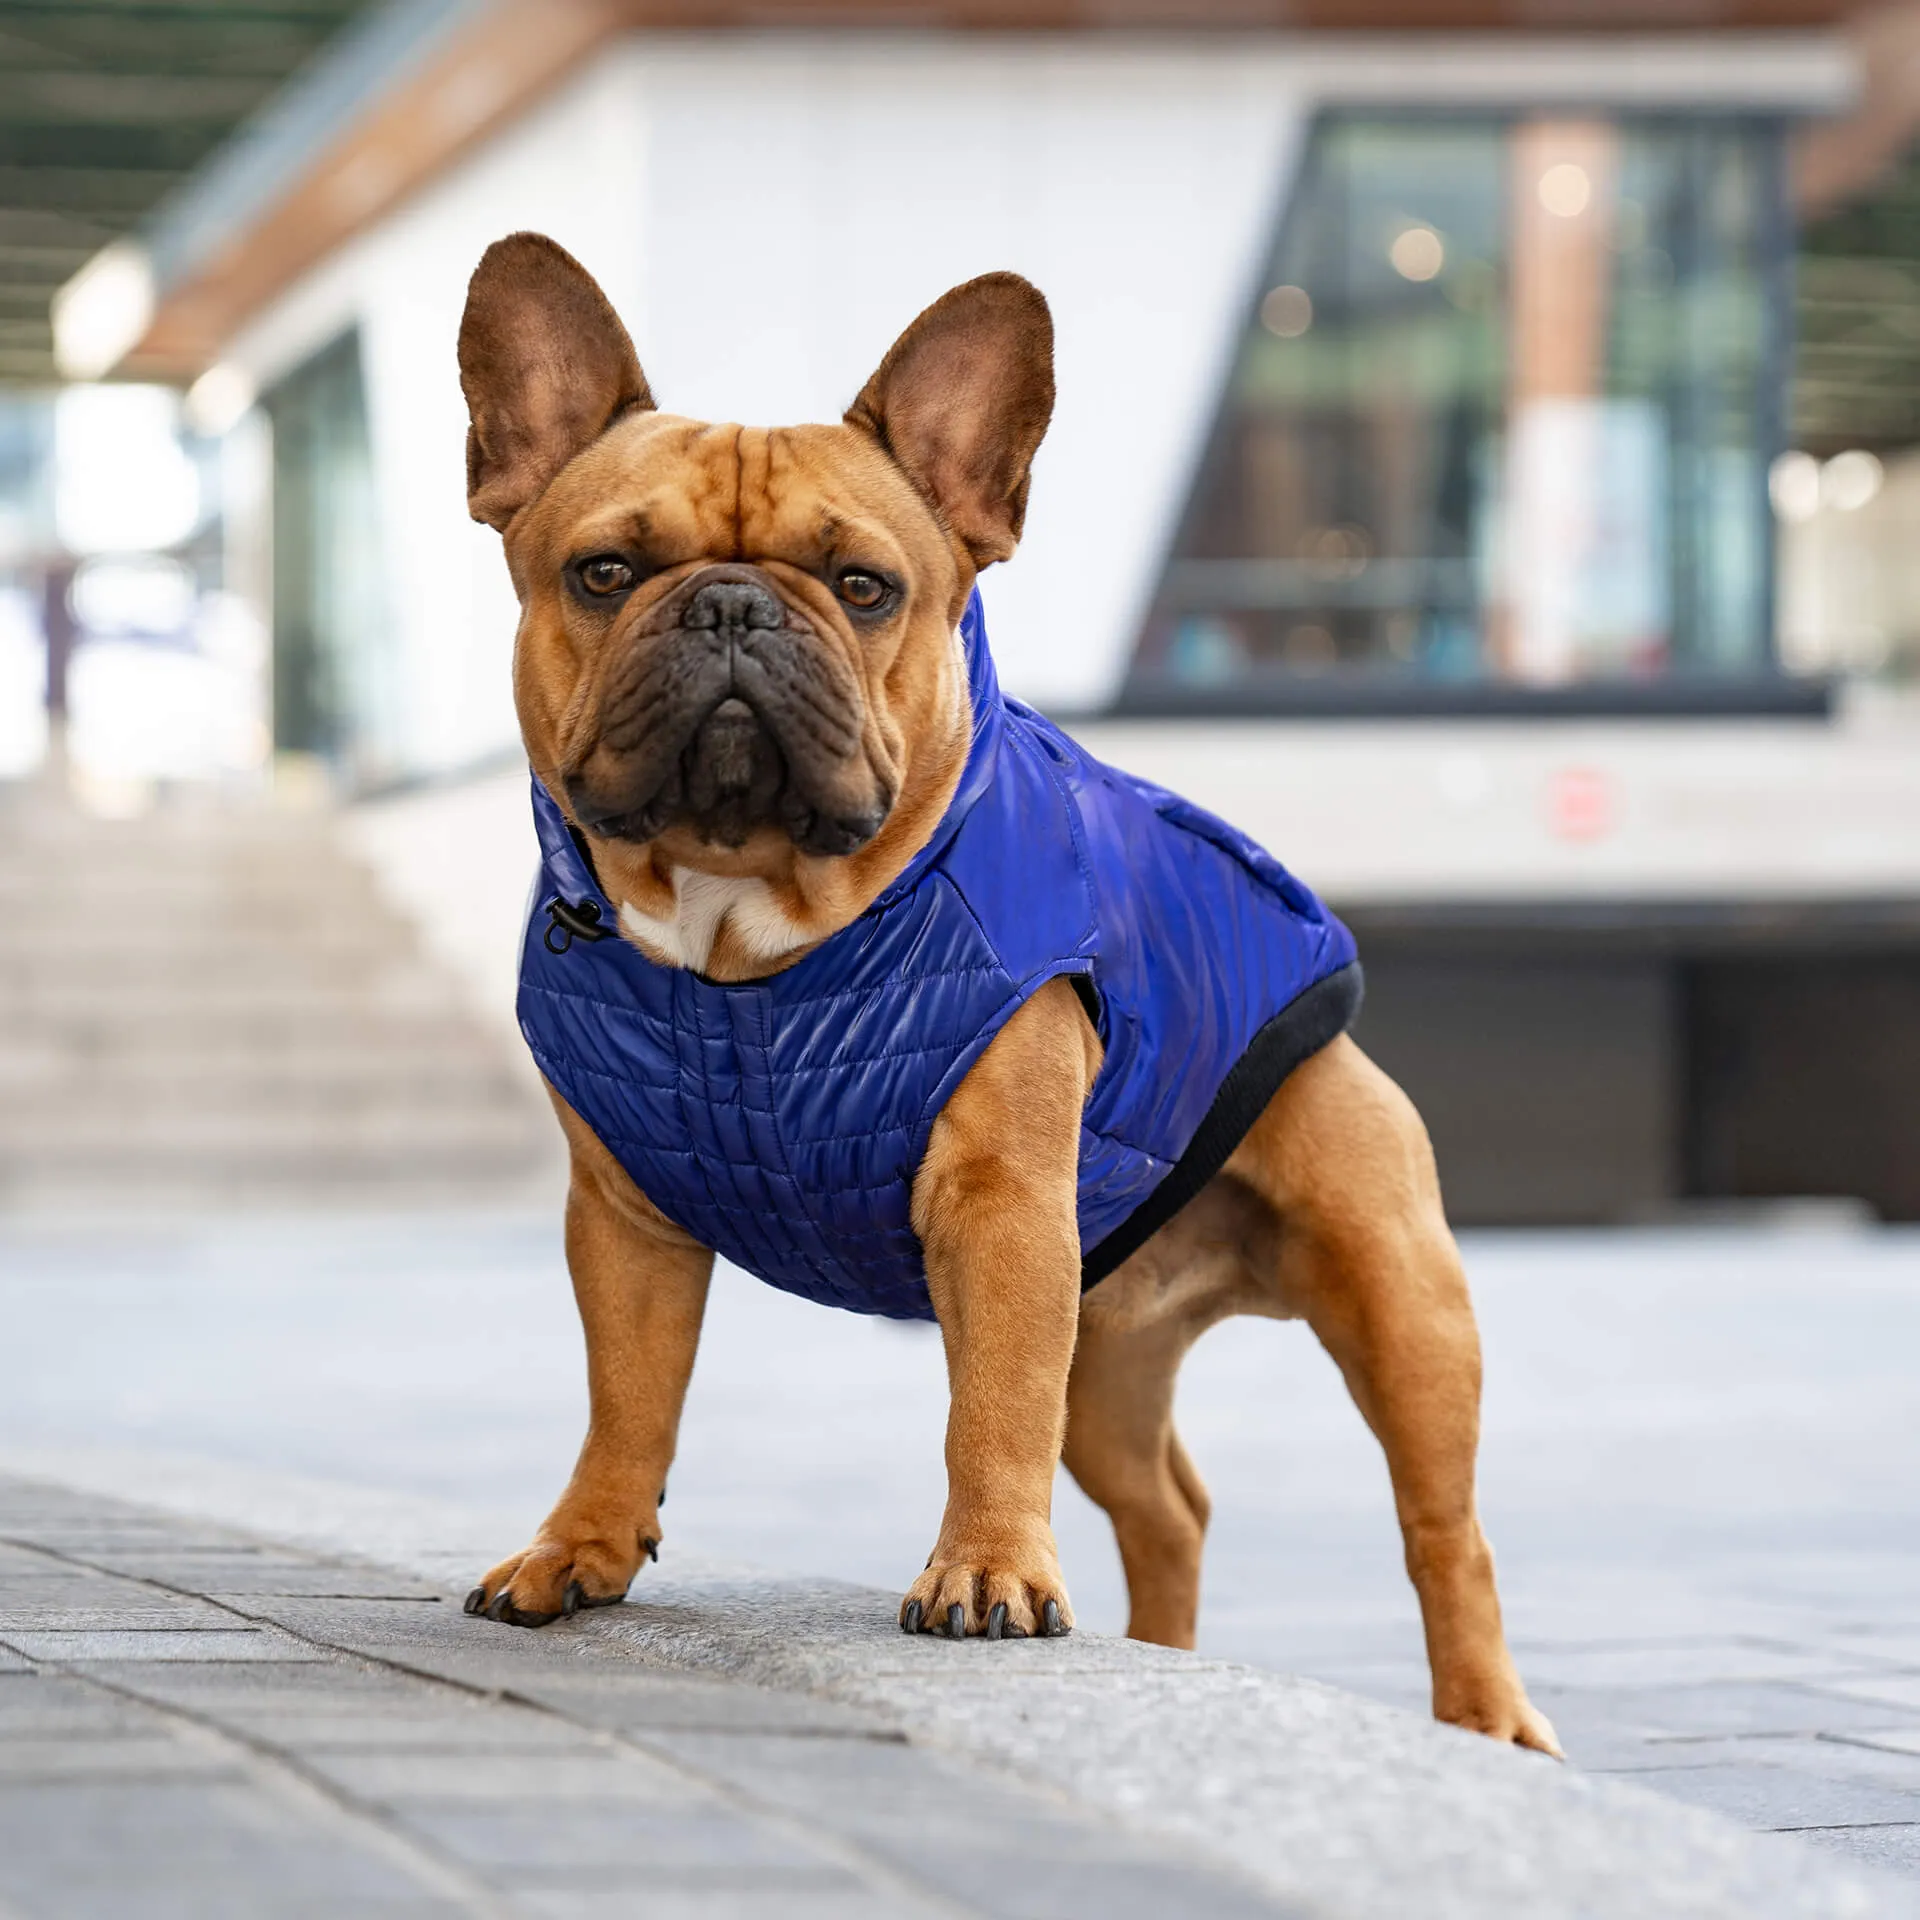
[1503, 412]
[334, 688]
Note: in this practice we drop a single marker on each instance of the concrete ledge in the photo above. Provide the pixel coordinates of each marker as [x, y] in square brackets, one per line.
[1335, 1805]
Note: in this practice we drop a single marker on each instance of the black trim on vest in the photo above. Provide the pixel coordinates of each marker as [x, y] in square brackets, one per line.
[1296, 1033]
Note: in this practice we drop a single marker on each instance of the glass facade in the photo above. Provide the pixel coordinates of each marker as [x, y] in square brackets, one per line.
[335, 690]
[1501, 417]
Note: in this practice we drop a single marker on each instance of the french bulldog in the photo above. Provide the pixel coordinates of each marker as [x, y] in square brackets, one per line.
[790, 826]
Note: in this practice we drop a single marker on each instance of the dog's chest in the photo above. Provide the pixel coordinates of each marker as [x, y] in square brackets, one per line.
[704, 903]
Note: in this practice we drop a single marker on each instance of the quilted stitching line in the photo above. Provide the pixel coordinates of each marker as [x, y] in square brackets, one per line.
[870, 990]
[802, 1200]
[877, 1059]
[682, 1075]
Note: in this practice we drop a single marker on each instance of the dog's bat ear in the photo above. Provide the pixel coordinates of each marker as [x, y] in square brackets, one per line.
[546, 368]
[962, 401]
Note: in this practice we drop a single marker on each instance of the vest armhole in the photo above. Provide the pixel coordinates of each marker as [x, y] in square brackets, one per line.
[1308, 1022]
[1089, 997]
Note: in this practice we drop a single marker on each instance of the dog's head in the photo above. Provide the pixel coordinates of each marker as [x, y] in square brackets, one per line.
[736, 650]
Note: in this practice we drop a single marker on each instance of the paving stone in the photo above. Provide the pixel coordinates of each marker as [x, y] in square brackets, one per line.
[400, 1727]
[86, 1848]
[243, 1583]
[1763, 1796]
[319, 1684]
[157, 1755]
[182, 1617]
[42, 1703]
[453, 1778]
[1826, 1756]
[581, 1836]
[978, 1840]
[1892, 1689]
[1720, 1707]
[1686, 1663]
[785, 1893]
[631, 1700]
[82, 1648]
[1893, 1849]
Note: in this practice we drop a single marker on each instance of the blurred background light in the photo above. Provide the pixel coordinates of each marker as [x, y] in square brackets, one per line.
[121, 481]
[219, 399]
[148, 595]
[1565, 189]
[1287, 312]
[1793, 482]
[1850, 480]
[102, 311]
[1417, 253]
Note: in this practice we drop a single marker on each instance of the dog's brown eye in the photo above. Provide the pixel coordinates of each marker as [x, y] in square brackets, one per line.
[862, 590]
[605, 573]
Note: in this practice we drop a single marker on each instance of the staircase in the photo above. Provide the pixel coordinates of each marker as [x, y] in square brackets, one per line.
[213, 1006]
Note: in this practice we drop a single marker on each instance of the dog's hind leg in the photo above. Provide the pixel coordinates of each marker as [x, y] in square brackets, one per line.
[1365, 1257]
[1122, 1449]
[1135, 1329]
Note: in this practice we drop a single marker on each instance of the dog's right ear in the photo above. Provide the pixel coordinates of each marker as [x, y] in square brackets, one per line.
[546, 368]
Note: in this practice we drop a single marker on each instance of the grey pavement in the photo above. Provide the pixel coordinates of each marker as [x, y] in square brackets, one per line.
[198, 1720]
[1700, 1469]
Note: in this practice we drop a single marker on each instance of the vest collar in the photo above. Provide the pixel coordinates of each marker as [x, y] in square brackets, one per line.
[568, 861]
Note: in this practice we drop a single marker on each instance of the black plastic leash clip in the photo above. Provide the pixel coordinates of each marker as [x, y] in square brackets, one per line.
[572, 923]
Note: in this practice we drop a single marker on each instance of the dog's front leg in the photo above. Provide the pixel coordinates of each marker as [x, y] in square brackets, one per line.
[641, 1285]
[994, 1206]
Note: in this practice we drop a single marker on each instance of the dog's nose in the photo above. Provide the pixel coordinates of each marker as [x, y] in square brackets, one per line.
[733, 604]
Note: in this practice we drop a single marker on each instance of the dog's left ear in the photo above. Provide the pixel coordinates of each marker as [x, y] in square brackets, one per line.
[546, 368]
[962, 401]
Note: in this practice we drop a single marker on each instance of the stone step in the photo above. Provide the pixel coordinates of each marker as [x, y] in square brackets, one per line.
[359, 1082]
[220, 1005]
[183, 973]
[351, 1034]
[393, 1133]
[107, 1179]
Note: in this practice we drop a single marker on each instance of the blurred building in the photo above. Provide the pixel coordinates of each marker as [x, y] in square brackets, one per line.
[1416, 496]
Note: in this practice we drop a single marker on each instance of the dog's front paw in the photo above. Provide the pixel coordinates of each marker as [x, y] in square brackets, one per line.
[1501, 1710]
[997, 1595]
[559, 1574]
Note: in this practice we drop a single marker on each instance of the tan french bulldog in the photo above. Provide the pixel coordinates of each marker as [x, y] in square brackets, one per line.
[782, 823]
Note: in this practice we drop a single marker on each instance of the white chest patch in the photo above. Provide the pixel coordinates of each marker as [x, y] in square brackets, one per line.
[703, 903]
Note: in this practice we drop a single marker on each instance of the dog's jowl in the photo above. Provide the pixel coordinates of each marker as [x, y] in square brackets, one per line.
[846, 967]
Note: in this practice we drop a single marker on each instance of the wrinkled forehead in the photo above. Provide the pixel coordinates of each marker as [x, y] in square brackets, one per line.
[675, 490]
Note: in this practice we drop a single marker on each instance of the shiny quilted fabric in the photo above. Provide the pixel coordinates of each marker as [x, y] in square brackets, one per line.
[780, 1121]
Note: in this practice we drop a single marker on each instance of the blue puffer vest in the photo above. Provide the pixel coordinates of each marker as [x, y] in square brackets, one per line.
[780, 1121]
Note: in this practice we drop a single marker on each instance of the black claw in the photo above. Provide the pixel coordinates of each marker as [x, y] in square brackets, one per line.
[662, 1501]
[502, 1607]
[910, 1620]
[476, 1601]
[997, 1620]
[956, 1622]
[570, 1600]
[1050, 1619]
[653, 1549]
[1016, 1633]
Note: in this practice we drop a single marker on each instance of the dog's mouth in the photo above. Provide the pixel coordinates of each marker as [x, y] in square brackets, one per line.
[727, 716]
